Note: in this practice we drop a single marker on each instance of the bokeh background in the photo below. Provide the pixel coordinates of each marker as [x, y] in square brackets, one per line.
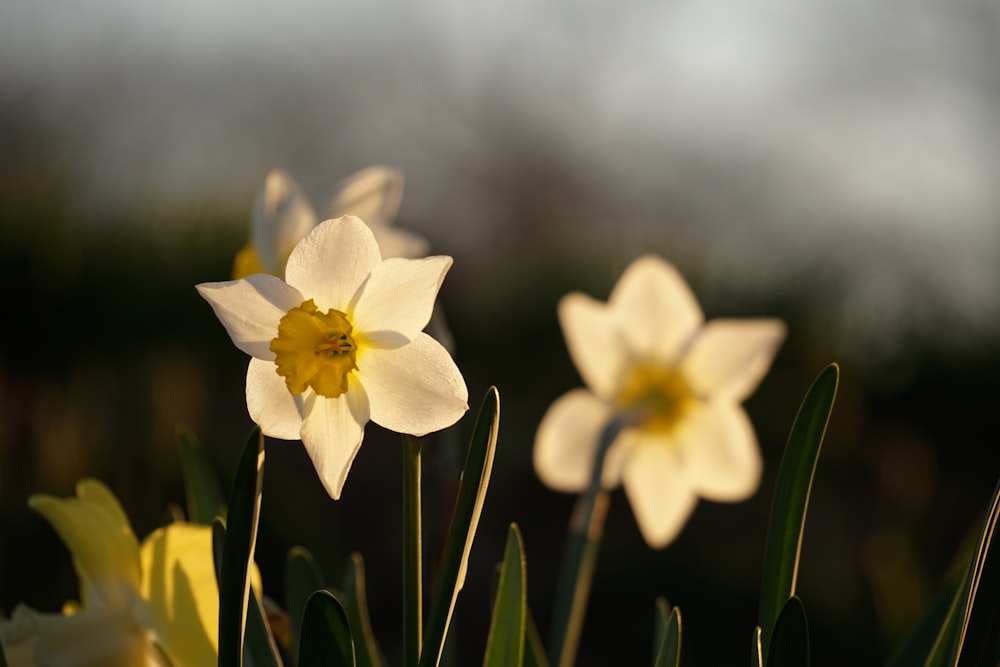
[831, 163]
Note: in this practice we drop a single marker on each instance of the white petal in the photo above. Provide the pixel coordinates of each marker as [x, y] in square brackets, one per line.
[595, 345]
[282, 216]
[566, 441]
[399, 295]
[415, 389]
[250, 309]
[372, 194]
[654, 309]
[393, 242]
[332, 434]
[270, 404]
[729, 358]
[722, 459]
[332, 262]
[658, 491]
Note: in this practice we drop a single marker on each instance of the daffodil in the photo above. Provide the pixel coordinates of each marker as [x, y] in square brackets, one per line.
[151, 604]
[341, 343]
[282, 216]
[674, 382]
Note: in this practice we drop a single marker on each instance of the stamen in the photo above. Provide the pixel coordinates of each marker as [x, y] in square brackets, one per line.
[654, 397]
[315, 350]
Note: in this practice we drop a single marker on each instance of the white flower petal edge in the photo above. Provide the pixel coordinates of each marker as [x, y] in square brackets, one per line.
[595, 344]
[729, 358]
[332, 433]
[399, 295]
[372, 194]
[415, 389]
[654, 309]
[271, 406]
[250, 309]
[333, 284]
[660, 496]
[722, 459]
[567, 438]
[282, 216]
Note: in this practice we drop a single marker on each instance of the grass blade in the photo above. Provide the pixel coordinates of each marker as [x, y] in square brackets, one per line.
[920, 647]
[326, 634]
[756, 650]
[413, 601]
[791, 498]
[505, 643]
[471, 496]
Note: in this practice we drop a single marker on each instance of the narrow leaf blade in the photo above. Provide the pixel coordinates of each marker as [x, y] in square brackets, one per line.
[326, 633]
[238, 549]
[471, 496]
[791, 498]
[978, 636]
[790, 643]
[505, 643]
[367, 651]
[302, 579]
[666, 636]
[202, 490]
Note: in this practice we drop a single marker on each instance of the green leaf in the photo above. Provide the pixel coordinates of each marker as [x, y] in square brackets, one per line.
[756, 650]
[356, 606]
[924, 642]
[238, 549]
[302, 578]
[666, 636]
[326, 633]
[201, 485]
[471, 496]
[977, 640]
[505, 643]
[791, 498]
[534, 650]
[3, 658]
[258, 644]
[790, 643]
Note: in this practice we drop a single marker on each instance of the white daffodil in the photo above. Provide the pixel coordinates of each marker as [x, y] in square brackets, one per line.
[651, 362]
[341, 343]
[154, 604]
[282, 216]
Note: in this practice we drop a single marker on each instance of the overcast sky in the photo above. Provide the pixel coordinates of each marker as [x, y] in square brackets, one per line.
[790, 126]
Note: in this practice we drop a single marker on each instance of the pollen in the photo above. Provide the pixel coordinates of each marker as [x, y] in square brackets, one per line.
[655, 397]
[315, 350]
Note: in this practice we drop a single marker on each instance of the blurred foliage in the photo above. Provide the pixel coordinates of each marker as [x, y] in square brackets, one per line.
[107, 349]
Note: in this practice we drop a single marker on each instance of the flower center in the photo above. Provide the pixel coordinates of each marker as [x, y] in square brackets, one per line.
[654, 397]
[315, 349]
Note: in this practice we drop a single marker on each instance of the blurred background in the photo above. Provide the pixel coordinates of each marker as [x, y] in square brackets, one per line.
[834, 164]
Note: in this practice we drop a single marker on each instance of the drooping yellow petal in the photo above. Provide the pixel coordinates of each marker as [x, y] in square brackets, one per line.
[181, 593]
[98, 535]
[97, 637]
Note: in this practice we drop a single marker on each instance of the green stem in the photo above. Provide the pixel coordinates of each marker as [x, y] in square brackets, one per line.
[585, 531]
[412, 546]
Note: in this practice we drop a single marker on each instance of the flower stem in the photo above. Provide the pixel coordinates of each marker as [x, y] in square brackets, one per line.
[585, 531]
[412, 547]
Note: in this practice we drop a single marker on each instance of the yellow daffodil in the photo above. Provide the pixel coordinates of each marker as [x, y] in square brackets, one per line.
[282, 216]
[154, 604]
[676, 383]
[341, 343]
